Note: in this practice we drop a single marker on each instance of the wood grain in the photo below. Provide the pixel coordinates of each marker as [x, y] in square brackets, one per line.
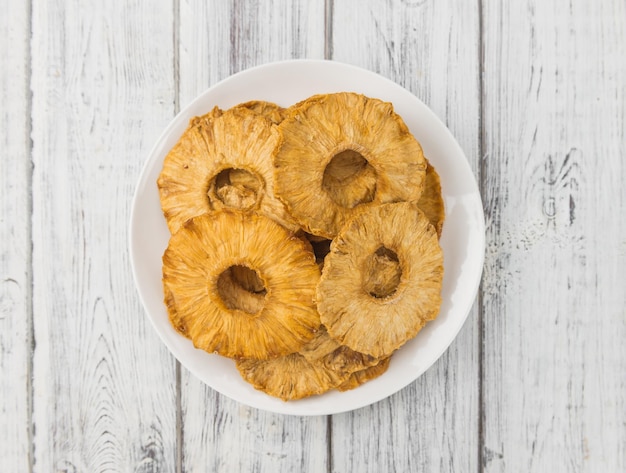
[87, 385]
[104, 385]
[15, 271]
[554, 299]
[432, 49]
[216, 40]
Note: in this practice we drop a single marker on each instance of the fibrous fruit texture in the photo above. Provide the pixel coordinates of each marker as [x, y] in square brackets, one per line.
[321, 365]
[358, 378]
[271, 111]
[341, 152]
[304, 240]
[382, 280]
[223, 160]
[431, 201]
[218, 313]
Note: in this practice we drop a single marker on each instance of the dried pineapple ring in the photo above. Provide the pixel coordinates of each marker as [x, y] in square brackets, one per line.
[431, 201]
[321, 365]
[341, 152]
[209, 307]
[382, 280]
[358, 378]
[171, 311]
[223, 160]
[250, 281]
[271, 111]
[247, 279]
[335, 357]
[289, 377]
[206, 118]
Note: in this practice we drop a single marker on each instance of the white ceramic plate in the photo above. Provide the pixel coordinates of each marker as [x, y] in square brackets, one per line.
[462, 240]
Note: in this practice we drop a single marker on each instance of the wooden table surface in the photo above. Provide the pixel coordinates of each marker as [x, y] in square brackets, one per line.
[535, 93]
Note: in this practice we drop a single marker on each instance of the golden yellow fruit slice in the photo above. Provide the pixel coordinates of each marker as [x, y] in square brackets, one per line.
[382, 279]
[431, 201]
[271, 111]
[223, 160]
[360, 377]
[321, 365]
[333, 356]
[219, 314]
[342, 152]
[289, 377]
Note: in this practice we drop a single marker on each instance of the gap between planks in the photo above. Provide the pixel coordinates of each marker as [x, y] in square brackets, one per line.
[179, 457]
[481, 186]
[328, 55]
[30, 325]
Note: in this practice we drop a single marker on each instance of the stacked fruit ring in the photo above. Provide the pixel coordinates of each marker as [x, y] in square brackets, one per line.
[304, 240]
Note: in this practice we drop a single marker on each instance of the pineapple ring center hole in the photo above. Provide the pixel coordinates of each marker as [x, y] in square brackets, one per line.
[320, 250]
[241, 288]
[349, 179]
[237, 188]
[382, 273]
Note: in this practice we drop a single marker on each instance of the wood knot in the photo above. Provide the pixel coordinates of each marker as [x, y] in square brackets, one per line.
[559, 188]
[549, 207]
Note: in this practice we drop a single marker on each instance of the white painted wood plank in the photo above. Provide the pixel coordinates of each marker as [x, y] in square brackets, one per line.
[432, 49]
[216, 40]
[15, 170]
[221, 435]
[554, 298]
[103, 90]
